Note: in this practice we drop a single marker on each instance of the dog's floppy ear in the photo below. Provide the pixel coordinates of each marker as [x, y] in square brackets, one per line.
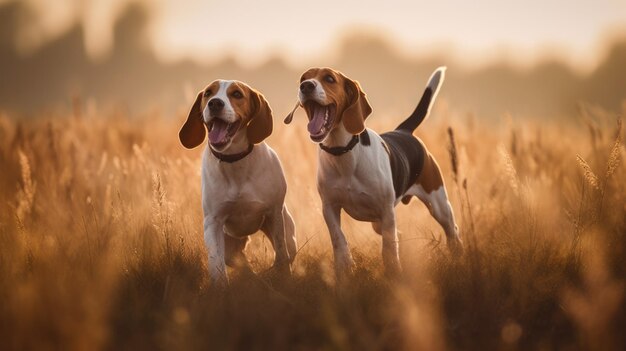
[193, 131]
[358, 107]
[261, 123]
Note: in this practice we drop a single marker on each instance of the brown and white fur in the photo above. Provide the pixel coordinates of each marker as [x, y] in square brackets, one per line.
[241, 193]
[367, 181]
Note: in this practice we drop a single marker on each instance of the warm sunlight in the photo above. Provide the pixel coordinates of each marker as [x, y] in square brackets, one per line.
[476, 31]
[312, 175]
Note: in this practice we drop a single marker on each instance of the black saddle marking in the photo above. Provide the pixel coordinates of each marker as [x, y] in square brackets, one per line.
[406, 156]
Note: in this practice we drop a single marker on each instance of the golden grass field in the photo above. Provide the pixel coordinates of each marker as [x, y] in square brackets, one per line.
[101, 243]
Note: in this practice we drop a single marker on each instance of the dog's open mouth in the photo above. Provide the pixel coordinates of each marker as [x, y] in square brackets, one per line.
[220, 131]
[321, 119]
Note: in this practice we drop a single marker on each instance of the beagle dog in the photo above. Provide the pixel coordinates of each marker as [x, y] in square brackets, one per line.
[367, 174]
[243, 185]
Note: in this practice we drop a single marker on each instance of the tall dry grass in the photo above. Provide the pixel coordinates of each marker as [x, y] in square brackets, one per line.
[101, 244]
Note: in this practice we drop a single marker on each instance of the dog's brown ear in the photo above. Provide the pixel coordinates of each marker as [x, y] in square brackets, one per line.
[261, 123]
[193, 131]
[358, 108]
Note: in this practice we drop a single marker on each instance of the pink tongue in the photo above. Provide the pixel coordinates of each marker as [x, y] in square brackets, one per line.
[217, 135]
[317, 122]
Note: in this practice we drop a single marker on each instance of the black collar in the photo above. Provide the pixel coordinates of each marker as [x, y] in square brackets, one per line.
[230, 158]
[340, 150]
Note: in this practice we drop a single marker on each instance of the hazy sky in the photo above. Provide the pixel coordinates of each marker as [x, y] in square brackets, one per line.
[474, 31]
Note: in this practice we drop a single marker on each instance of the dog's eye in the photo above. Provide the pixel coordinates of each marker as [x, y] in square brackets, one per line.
[237, 94]
[329, 78]
[207, 93]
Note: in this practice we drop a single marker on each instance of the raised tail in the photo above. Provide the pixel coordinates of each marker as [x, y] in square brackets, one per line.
[423, 107]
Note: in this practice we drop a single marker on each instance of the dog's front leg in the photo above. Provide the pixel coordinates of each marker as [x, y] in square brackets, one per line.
[214, 241]
[391, 256]
[290, 234]
[276, 226]
[343, 258]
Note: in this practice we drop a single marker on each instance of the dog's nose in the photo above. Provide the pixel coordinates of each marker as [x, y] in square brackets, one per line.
[307, 86]
[216, 105]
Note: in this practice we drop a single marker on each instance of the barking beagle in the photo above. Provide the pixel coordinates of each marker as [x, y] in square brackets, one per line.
[243, 186]
[367, 174]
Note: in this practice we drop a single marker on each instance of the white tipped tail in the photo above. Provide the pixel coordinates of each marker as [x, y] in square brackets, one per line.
[423, 107]
[435, 81]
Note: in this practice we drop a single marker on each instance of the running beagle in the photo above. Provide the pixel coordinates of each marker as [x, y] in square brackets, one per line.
[243, 185]
[367, 174]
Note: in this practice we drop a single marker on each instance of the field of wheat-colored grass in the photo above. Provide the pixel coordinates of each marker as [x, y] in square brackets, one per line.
[101, 243]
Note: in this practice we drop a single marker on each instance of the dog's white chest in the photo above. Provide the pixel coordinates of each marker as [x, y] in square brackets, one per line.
[359, 200]
[361, 185]
[360, 206]
[240, 195]
[244, 217]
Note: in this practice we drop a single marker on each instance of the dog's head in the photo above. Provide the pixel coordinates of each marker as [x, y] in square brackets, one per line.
[230, 110]
[330, 98]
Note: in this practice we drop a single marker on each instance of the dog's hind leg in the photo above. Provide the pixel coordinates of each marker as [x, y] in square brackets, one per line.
[430, 189]
[233, 250]
[441, 209]
[274, 228]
